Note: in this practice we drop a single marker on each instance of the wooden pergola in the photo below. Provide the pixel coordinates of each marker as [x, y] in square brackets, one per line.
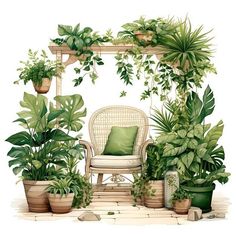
[107, 48]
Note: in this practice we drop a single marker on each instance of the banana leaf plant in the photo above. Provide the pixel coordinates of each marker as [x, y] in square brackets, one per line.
[44, 142]
[192, 146]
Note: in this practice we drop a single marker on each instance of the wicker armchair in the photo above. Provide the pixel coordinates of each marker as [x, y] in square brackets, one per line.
[100, 125]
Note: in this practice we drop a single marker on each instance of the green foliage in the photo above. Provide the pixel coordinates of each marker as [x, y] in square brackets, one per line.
[80, 40]
[153, 169]
[191, 145]
[71, 118]
[186, 47]
[180, 194]
[38, 67]
[62, 187]
[41, 146]
[154, 29]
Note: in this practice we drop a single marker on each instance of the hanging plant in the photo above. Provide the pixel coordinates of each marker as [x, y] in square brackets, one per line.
[80, 40]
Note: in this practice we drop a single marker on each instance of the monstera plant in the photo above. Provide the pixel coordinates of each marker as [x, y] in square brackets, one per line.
[192, 146]
[41, 147]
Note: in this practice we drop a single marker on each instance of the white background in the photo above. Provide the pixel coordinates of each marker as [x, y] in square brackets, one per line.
[31, 24]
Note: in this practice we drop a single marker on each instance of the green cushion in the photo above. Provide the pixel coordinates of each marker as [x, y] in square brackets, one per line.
[121, 141]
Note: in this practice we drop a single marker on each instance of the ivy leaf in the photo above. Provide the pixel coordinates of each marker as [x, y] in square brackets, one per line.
[187, 159]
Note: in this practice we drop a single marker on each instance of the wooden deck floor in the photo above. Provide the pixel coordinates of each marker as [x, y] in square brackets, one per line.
[116, 207]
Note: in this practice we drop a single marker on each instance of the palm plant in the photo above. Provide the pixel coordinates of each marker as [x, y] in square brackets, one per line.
[187, 47]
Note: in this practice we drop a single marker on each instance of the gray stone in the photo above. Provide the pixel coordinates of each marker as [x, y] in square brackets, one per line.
[89, 216]
[194, 214]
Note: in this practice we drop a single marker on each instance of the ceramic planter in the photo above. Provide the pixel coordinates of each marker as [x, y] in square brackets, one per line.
[147, 36]
[170, 186]
[202, 197]
[182, 206]
[36, 195]
[44, 87]
[156, 201]
[61, 204]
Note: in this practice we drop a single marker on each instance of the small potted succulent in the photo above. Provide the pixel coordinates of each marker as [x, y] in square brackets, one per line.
[181, 201]
[40, 70]
[61, 194]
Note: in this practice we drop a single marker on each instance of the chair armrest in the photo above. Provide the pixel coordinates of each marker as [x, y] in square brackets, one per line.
[143, 149]
[88, 154]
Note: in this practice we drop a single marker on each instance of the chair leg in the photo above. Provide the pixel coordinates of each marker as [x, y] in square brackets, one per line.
[100, 177]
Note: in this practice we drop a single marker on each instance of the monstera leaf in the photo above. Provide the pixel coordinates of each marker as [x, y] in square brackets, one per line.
[199, 109]
[214, 134]
[74, 111]
[35, 110]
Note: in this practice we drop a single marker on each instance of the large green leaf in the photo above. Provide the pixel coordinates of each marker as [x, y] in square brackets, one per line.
[187, 159]
[59, 135]
[16, 152]
[20, 139]
[214, 134]
[197, 109]
[194, 106]
[74, 111]
[64, 30]
[171, 150]
[165, 138]
[35, 110]
[208, 104]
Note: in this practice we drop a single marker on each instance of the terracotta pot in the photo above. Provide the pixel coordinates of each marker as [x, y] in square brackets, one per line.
[44, 88]
[60, 204]
[147, 36]
[156, 201]
[36, 195]
[182, 206]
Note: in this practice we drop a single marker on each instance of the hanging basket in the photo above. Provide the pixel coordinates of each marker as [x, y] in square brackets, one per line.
[44, 87]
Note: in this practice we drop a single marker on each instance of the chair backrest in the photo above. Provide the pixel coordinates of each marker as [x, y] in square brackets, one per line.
[103, 119]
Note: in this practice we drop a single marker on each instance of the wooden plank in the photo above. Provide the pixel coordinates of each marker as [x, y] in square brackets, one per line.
[112, 193]
[107, 48]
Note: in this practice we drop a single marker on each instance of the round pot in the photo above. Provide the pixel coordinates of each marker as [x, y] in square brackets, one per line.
[61, 204]
[147, 36]
[182, 206]
[44, 87]
[156, 201]
[36, 195]
[202, 196]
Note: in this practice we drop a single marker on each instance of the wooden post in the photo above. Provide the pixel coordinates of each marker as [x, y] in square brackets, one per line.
[58, 78]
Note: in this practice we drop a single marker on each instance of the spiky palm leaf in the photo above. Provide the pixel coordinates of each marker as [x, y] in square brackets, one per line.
[163, 121]
[186, 47]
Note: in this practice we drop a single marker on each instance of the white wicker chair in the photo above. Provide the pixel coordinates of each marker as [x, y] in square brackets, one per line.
[100, 125]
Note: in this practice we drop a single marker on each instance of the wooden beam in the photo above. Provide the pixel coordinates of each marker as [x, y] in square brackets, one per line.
[107, 48]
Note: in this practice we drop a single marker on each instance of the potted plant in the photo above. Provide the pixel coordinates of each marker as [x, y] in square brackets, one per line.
[147, 32]
[181, 200]
[40, 70]
[149, 186]
[61, 194]
[80, 40]
[42, 145]
[191, 145]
